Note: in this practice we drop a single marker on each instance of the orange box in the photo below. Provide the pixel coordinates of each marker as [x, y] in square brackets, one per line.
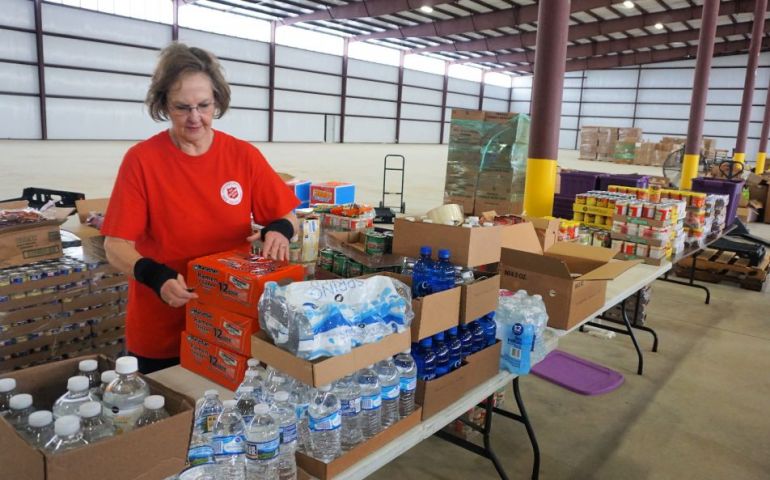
[228, 279]
[212, 361]
[220, 326]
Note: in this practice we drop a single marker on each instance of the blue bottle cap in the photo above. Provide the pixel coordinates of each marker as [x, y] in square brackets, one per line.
[444, 254]
[426, 342]
[439, 336]
[424, 250]
[452, 331]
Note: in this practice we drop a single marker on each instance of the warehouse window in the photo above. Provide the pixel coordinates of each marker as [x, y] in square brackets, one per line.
[374, 53]
[424, 64]
[498, 79]
[152, 10]
[224, 23]
[309, 40]
[465, 73]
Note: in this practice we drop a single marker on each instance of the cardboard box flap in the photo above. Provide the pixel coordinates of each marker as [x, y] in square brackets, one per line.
[610, 270]
[573, 250]
[535, 262]
[521, 237]
[14, 205]
[84, 207]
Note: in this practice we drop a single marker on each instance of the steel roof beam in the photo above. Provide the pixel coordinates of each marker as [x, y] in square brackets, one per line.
[586, 30]
[367, 8]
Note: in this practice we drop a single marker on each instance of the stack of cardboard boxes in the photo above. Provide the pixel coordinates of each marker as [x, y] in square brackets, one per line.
[608, 144]
[755, 207]
[589, 140]
[607, 139]
[486, 161]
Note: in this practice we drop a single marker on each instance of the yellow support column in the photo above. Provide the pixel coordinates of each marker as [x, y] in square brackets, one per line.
[739, 157]
[539, 187]
[689, 170]
[759, 169]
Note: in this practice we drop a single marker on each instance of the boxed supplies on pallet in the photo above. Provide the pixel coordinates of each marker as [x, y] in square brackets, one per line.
[235, 279]
[32, 240]
[437, 394]
[155, 451]
[216, 363]
[325, 370]
[571, 278]
[469, 247]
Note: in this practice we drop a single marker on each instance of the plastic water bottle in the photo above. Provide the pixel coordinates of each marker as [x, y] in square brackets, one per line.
[443, 272]
[407, 370]
[124, 397]
[349, 394]
[254, 366]
[286, 416]
[20, 410]
[7, 390]
[77, 394]
[301, 396]
[40, 430]
[67, 435]
[277, 383]
[154, 411]
[479, 336]
[490, 329]
[427, 360]
[466, 340]
[106, 377]
[246, 401]
[391, 390]
[262, 444]
[207, 414]
[90, 370]
[93, 425]
[371, 401]
[423, 273]
[325, 422]
[251, 381]
[228, 442]
[455, 349]
[442, 354]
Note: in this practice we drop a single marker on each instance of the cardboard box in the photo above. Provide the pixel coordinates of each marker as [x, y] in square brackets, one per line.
[479, 298]
[301, 189]
[503, 207]
[23, 244]
[324, 471]
[465, 202]
[569, 298]
[158, 450]
[464, 114]
[220, 326]
[436, 395]
[323, 371]
[469, 247]
[332, 192]
[212, 361]
[91, 238]
[546, 231]
[225, 280]
[747, 214]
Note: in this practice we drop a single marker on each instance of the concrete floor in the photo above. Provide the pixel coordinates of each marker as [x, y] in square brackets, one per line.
[699, 411]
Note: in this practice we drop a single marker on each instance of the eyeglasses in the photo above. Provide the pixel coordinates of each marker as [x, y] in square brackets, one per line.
[184, 110]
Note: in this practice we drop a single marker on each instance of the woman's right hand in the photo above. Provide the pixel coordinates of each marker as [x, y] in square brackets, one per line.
[175, 292]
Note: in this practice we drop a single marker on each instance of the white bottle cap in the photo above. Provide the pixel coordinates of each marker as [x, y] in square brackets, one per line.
[325, 388]
[281, 396]
[247, 389]
[66, 426]
[77, 384]
[252, 362]
[20, 401]
[250, 374]
[41, 418]
[126, 365]
[279, 380]
[211, 393]
[108, 376]
[90, 409]
[229, 403]
[407, 351]
[154, 402]
[261, 409]
[88, 365]
[7, 384]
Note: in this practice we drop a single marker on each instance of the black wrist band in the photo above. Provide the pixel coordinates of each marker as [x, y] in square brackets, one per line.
[282, 226]
[152, 273]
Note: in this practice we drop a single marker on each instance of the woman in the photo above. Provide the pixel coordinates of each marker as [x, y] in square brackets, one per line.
[186, 192]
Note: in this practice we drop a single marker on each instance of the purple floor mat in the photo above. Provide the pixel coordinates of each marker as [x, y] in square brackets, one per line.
[577, 374]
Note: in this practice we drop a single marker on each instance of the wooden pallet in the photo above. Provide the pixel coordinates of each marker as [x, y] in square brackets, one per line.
[714, 266]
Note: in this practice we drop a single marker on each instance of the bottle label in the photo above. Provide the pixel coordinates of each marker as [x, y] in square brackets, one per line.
[289, 433]
[262, 450]
[227, 444]
[371, 402]
[351, 407]
[200, 454]
[329, 422]
[206, 422]
[407, 384]
[124, 419]
[391, 392]
[301, 410]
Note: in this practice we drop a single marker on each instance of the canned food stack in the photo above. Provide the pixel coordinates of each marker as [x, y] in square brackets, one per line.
[595, 208]
[351, 217]
[347, 262]
[706, 217]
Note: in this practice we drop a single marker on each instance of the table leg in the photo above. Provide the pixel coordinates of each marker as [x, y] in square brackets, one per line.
[690, 282]
[640, 366]
[522, 417]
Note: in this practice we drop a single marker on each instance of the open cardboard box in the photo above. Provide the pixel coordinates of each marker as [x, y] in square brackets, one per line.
[324, 471]
[28, 243]
[470, 247]
[436, 395]
[323, 371]
[571, 278]
[90, 237]
[479, 298]
[153, 452]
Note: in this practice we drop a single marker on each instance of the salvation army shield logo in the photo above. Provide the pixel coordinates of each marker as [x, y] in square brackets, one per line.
[231, 192]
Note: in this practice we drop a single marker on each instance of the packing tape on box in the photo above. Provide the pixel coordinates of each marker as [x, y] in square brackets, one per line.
[446, 214]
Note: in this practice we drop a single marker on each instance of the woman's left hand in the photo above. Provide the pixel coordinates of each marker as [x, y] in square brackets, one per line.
[275, 246]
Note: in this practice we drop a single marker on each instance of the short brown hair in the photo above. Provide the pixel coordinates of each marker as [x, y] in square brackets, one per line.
[175, 61]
